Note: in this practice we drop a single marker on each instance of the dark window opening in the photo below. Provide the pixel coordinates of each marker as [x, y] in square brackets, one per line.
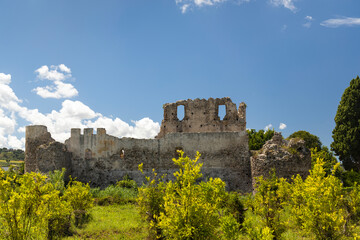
[180, 112]
[222, 111]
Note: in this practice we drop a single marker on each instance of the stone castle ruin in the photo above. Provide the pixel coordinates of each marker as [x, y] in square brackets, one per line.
[102, 159]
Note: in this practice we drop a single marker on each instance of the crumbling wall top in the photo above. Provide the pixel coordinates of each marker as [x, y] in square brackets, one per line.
[202, 115]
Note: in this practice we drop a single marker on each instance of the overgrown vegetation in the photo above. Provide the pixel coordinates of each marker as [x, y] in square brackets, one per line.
[258, 139]
[187, 209]
[37, 206]
[32, 208]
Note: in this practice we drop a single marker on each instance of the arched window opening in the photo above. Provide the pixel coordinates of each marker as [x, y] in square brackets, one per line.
[180, 112]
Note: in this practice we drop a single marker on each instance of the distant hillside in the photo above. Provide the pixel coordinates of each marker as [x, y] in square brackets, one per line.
[12, 154]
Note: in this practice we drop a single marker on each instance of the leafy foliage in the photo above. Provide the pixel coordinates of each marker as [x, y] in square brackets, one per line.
[30, 207]
[12, 154]
[258, 139]
[190, 209]
[56, 178]
[318, 203]
[346, 133]
[127, 182]
[311, 141]
[79, 197]
[327, 157]
[267, 204]
[151, 201]
[113, 194]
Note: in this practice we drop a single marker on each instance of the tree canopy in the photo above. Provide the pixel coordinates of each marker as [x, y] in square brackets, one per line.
[317, 150]
[346, 133]
[11, 154]
[311, 141]
[258, 139]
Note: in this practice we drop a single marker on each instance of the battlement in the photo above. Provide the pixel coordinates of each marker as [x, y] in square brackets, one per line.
[102, 159]
[201, 115]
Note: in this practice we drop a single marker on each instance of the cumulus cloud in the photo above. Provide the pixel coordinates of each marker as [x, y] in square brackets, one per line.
[268, 127]
[282, 126]
[308, 22]
[72, 114]
[58, 89]
[289, 4]
[339, 22]
[186, 5]
[5, 78]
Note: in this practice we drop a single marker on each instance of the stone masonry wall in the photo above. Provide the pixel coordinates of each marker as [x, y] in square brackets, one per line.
[202, 115]
[288, 158]
[102, 159]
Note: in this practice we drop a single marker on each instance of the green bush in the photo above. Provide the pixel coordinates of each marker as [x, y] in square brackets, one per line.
[79, 197]
[191, 210]
[113, 195]
[56, 178]
[268, 204]
[151, 201]
[30, 207]
[127, 182]
[233, 206]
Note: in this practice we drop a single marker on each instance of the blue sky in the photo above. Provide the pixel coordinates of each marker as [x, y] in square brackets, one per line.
[114, 63]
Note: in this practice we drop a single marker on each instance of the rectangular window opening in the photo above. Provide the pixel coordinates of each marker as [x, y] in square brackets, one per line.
[222, 112]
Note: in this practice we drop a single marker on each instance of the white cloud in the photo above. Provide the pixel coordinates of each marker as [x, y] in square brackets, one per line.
[58, 89]
[338, 22]
[282, 126]
[184, 8]
[186, 5]
[289, 4]
[72, 114]
[5, 78]
[268, 127]
[64, 68]
[53, 73]
[309, 20]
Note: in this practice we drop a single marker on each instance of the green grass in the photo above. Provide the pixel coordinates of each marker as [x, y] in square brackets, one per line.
[113, 222]
[3, 163]
[114, 195]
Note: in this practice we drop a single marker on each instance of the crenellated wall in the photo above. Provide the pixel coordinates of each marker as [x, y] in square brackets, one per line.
[102, 159]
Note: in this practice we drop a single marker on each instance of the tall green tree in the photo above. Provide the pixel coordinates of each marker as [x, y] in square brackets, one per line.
[346, 133]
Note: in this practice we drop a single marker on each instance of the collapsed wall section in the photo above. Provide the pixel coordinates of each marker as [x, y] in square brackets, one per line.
[288, 158]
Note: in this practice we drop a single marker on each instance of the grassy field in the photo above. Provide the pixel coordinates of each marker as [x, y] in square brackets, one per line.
[3, 163]
[113, 222]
